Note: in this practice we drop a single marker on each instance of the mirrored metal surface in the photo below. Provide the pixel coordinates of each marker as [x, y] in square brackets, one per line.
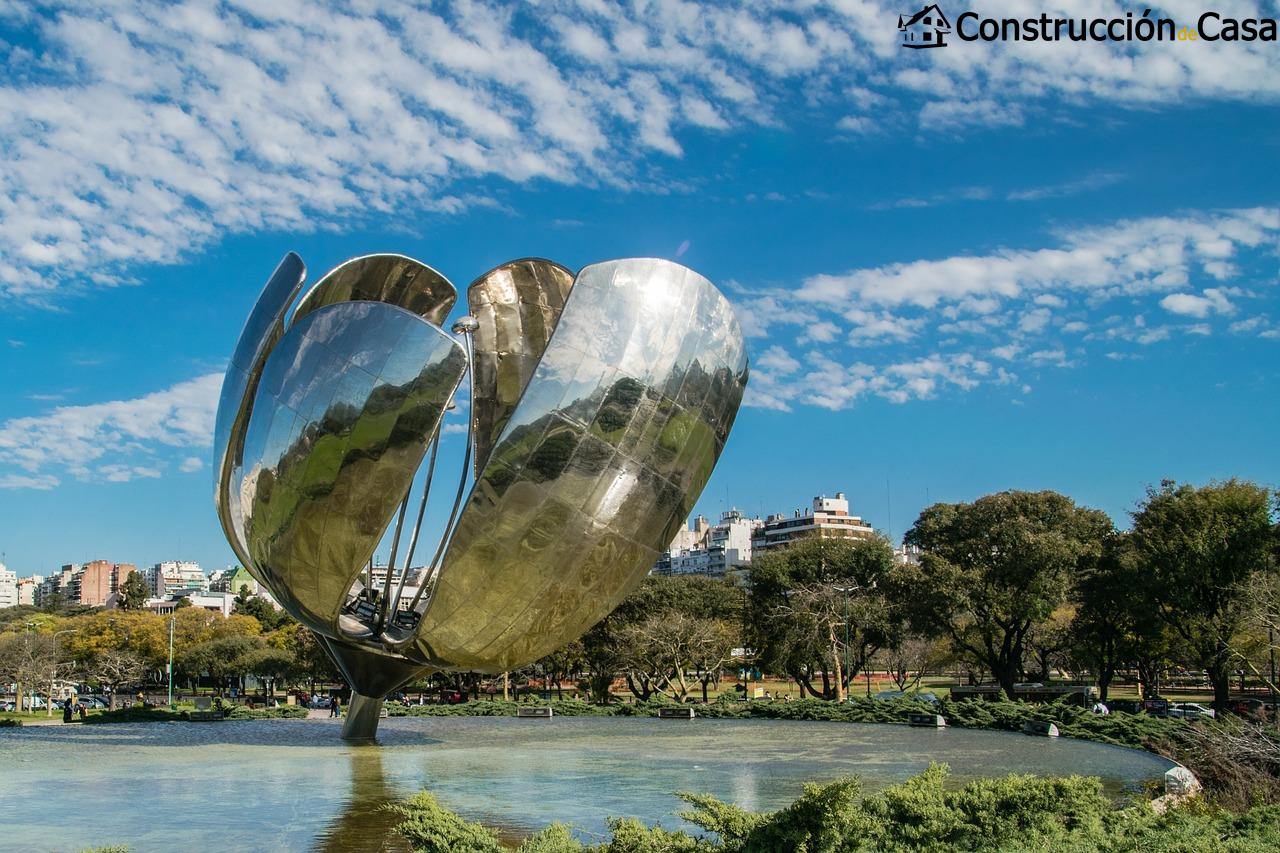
[600, 406]
[348, 402]
[261, 331]
[516, 306]
[392, 279]
[599, 463]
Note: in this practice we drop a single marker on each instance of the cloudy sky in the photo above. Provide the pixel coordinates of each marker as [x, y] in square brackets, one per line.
[987, 266]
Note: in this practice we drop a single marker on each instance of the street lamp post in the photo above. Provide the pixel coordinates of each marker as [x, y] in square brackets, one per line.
[171, 621]
[53, 673]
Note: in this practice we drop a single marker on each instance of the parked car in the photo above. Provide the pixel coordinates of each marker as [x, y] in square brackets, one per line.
[1190, 710]
[1127, 706]
[1248, 707]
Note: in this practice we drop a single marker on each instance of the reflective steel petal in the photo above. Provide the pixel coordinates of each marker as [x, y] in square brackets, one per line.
[598, 464]
[392, 279]
[517, 306]
[347, 404]
[260, 333]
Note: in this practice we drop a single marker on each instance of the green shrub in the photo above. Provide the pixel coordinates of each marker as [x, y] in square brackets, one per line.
[921, 814]
[431, 828]
[134, 714]
[10, 723]
[284, 712]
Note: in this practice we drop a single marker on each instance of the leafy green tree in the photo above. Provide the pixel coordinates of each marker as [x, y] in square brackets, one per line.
[29, 659]
[1205, 551]
[992, 569]
[615, 646]
[247, 604]
[1116, 622]
[134, 593]
[822, 607]
[269, 665]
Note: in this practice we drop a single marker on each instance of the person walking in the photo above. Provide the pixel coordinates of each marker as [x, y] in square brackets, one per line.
[67, 709]
[333, 707]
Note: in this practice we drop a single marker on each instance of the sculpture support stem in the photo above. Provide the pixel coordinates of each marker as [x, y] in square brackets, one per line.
[363, 713]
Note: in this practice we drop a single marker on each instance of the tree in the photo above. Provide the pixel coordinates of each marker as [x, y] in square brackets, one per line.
[821, 609]
[1116, 621]
[113, 669]
[221, 658]
[267, 664]
[992, 569]
[1205, 551]
[908, 659]
[561, 664]
[616, 645]
[27, 658]
[134, 593]
[664, 649]
[247, 604]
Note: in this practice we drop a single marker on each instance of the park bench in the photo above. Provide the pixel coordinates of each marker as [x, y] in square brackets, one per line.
[675, 714]
[204, 712]
[534, 712]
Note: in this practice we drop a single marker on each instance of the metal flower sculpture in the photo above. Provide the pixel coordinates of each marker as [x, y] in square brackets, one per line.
[599, 405]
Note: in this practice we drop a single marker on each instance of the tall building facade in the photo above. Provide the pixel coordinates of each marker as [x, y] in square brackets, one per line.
[175, 577]
[828, 518]
[8, 587]
[94, 583]
[707, 549]
[27, 588]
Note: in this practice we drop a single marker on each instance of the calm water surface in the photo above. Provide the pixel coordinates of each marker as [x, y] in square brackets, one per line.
[292, 785]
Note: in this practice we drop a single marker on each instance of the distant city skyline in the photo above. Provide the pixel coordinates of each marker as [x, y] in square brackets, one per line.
[991, 266]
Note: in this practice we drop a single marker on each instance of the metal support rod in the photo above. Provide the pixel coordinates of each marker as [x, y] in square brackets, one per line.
[391, 566]
[417, 526]
[447, 534]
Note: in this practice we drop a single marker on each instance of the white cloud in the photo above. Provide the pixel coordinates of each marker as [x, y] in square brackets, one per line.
[190, 464]
[919, 328]
[1137, 255]
[1213, 301]
[113, 441]
[136, 130]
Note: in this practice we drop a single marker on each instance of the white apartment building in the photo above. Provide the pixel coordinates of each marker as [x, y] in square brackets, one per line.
[27, 589]
[218, 602]
[827, 519]
[711, 549]
[175, 576]
[8, 587]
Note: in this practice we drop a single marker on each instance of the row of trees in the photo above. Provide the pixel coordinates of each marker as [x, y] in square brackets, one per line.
[122, 649]
[1010, 587]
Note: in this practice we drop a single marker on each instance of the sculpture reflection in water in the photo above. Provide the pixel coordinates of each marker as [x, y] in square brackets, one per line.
[600, 403]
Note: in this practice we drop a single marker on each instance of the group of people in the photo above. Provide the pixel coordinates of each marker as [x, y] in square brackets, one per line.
[71, 707]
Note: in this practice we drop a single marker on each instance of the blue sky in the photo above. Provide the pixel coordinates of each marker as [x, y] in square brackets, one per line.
[962, 270]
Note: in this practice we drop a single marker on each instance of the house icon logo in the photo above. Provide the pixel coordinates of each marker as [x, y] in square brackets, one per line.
[926, 28]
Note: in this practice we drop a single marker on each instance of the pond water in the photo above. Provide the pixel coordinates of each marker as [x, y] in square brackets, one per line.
[293, 785]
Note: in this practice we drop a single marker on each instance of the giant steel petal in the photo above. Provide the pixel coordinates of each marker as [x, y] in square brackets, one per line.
[516, 306]
[598, 464]
[388, 278]
[261, 331]
[348, 402]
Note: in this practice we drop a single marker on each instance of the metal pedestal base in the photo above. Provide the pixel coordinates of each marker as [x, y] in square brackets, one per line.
[361, 723]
